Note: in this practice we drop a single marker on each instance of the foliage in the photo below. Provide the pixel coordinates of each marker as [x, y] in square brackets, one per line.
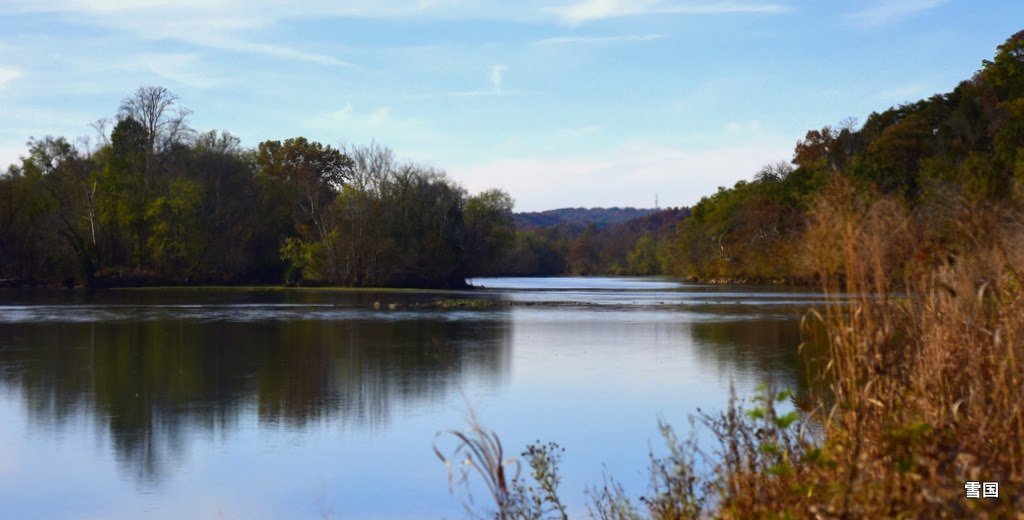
[174, 220]
[913, 227]
[579, 217]
[920, 391]
[638, 246]
[968, 143]
[156, 202]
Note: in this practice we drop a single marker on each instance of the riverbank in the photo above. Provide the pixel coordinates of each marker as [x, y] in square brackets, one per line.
[152, 282]
[918, 399]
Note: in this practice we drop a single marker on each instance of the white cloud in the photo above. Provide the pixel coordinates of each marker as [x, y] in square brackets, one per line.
[277, 51]
[241, 26]
[226, 25]
[587, 10]
[21, 121]
[8, 74]
[626, 176]
[181, 68]
[497, 72]
[379, 124]
[9, 154]
[497, 80]
[477, 94]
[892, 10]
[581, 40]
[164, 18]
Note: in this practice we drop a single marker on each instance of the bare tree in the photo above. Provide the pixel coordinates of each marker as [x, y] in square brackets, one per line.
[774, 172]
[83, 170]
[372, 166]
[102, 128]
[156, 109]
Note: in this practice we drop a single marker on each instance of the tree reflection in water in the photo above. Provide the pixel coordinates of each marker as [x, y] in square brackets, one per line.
[148, 382]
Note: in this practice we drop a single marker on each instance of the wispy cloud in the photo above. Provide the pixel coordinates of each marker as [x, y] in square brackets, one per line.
[189, 18]
[584, 40]
[497, 79]
[379, 123]
[587, 10]
[179, 67]
[477, 94]
[891, 11]
[229, 26]
[626, 176]
[266, 49]
[497, 72]
[8, 74]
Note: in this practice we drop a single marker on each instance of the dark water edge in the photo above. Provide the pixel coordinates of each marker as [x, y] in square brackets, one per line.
[295, 403]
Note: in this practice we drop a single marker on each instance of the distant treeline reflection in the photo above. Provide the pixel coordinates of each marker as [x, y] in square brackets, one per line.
[151, 368]
[149, 382]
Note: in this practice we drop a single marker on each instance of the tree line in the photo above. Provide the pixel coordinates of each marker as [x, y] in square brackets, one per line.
[154, 201]
[952, 165]
[638, 246]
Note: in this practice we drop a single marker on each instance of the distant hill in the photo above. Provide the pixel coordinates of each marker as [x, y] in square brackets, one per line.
[579, 217]
[662, 221]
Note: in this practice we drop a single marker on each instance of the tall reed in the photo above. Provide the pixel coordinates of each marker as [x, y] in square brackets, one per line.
[922, 389]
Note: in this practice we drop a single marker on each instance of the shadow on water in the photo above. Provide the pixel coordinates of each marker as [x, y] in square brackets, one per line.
[769, 348]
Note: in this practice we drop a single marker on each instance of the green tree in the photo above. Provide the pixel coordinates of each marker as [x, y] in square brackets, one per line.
[488, 230]
[643, 259]
[176, 243]
[309, 176]
[122, 204]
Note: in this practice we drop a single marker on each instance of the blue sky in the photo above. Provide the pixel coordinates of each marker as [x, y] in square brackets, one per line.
[562, 103]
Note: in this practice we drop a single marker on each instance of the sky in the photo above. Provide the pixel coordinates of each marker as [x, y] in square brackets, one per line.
[561, 103]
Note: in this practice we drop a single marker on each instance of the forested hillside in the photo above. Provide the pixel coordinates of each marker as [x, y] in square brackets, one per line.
[638, 246]
[579, 217]
[951, 164]
[912, 227]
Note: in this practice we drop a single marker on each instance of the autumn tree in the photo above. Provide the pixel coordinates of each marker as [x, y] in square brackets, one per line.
[310, 174]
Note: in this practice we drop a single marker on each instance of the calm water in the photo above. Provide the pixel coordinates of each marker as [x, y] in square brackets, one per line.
[311, 404]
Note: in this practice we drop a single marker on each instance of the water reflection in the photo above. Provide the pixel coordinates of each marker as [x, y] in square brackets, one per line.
[199, 383]
[148, 382]
[765, 347]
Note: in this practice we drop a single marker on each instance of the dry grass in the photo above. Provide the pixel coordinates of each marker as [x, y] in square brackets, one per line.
[479, 451]
[923, 389]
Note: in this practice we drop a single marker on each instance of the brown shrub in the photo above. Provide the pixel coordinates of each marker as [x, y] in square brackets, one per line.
[921, 391]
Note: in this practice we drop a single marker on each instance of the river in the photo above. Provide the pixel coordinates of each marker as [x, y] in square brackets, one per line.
[306, 403]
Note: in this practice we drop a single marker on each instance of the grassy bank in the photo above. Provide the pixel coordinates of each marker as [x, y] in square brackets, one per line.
[920, 393]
